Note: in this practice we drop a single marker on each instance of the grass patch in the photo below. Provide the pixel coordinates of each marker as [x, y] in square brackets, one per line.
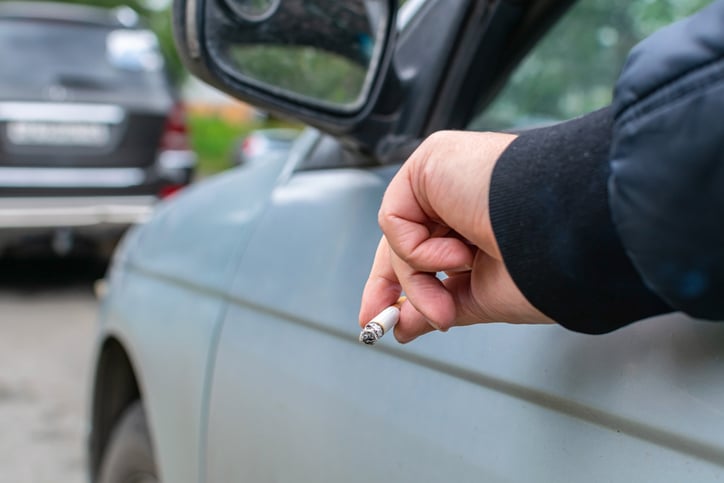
[213, 139]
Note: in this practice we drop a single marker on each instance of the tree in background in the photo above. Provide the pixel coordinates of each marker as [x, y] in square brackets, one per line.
[574, 68]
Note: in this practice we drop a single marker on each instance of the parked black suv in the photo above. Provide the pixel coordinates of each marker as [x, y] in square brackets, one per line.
[91, 132]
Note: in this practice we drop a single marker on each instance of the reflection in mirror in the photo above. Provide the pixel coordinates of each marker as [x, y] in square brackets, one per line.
[253, 10]
[323, 51]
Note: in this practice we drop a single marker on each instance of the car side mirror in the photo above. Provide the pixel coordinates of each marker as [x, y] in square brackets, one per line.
[320, 61]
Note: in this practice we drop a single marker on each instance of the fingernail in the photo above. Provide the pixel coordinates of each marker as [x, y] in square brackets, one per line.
[464, 268]
[433, 324]
[402, 340]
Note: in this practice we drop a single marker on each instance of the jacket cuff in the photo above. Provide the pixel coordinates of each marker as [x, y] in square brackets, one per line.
[551, 219]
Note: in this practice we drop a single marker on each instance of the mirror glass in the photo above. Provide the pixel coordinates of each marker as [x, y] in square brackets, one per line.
[253, 10]
[324, 52]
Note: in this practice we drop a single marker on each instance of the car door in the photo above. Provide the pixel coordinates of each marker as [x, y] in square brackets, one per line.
[295, 397]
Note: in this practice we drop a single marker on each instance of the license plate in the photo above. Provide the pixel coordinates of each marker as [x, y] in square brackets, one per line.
[58, 134]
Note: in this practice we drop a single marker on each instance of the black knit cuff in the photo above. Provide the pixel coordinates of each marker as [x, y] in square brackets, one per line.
[550, 215]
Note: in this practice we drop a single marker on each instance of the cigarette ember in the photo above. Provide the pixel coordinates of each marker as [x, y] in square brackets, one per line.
[381, 323]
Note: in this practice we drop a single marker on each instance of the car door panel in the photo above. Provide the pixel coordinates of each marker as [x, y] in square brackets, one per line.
[168, 294]
[169, 331]
[298, 396]
[500, 403]
[210, 223]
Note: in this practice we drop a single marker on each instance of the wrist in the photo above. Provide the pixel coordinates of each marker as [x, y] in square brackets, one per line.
[492, 149]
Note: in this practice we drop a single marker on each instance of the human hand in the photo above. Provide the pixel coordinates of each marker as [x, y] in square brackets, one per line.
[435, 218]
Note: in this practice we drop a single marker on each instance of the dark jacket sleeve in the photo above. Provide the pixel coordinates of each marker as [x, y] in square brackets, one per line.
[667, 184]
[619, 215]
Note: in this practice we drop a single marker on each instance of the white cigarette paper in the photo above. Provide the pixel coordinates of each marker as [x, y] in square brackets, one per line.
[387, 318]
[381, 323]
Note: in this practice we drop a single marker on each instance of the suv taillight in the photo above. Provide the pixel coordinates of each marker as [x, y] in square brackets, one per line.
[176, 161]
[175, 135]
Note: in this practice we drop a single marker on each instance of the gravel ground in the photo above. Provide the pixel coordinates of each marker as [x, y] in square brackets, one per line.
[47, 316]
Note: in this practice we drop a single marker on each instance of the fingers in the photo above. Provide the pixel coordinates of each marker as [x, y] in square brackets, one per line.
[414, 243]
[446, 181]
[414, 250]
[413, 323]
[485, 294]
[426, 293]
[406, 225]
[382, 288]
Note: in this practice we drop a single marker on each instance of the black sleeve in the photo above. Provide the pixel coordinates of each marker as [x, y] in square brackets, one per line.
[619, 215]
[667, 182]
[550, 215]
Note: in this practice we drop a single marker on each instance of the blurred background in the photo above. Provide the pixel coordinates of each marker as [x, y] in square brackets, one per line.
[217, 123]
[99, 122]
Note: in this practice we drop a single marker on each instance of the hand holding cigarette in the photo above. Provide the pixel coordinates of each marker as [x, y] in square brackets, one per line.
[435, 218]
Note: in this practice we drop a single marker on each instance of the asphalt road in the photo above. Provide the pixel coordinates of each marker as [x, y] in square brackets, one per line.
[47, 317]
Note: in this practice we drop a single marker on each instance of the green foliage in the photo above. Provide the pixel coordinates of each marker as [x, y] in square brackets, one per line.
[573, 70]
[214, 139]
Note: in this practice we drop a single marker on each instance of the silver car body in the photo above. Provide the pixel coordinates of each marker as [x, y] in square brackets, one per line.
[237, 307]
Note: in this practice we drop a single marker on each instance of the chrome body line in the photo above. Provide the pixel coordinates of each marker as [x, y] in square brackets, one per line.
[71, 177]
[74, 212]
[61, 112]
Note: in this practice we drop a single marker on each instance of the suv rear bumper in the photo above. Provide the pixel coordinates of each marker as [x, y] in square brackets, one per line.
[52, 212]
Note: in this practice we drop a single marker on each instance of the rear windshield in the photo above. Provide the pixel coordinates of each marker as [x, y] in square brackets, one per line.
[46, 54]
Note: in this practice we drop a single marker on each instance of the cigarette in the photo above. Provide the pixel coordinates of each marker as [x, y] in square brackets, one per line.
[382, 323]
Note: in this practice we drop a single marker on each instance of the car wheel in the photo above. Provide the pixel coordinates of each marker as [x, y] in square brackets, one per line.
[129, 456]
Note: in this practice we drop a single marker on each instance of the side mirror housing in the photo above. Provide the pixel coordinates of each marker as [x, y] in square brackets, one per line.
[320, 61]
